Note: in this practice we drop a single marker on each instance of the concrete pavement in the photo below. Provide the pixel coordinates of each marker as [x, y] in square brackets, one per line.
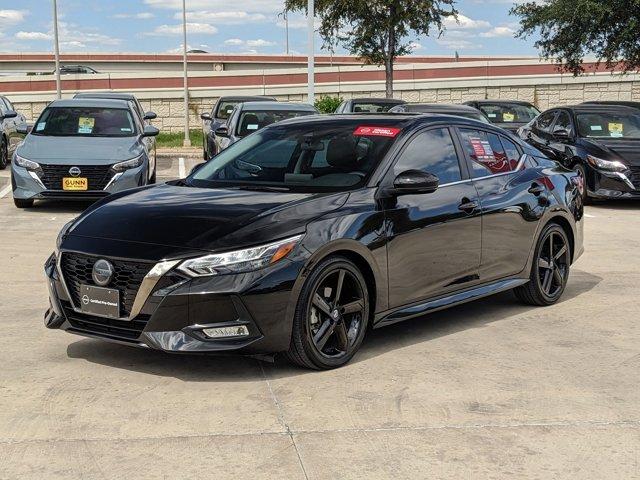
[489, 390]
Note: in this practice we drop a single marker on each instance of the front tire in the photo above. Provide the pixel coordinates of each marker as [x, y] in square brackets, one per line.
[331, 317]
[550, 269]
[22, 203]
[580, 170]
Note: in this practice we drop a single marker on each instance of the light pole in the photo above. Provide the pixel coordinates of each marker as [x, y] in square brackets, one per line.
[56, 49]
[311, 59]
[286, 28]
[187, 139]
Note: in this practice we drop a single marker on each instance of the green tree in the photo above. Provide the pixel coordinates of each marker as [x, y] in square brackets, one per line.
[378, 30]
[327, 104]
[569, 30]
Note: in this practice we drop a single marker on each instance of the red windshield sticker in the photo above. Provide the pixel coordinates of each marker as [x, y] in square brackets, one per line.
[376, 132]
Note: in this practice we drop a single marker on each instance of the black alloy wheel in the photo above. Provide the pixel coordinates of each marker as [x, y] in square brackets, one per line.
[4, 155]
[332, 316]
[550, 270]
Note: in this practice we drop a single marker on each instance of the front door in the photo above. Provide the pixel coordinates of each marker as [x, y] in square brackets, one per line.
[434, 238]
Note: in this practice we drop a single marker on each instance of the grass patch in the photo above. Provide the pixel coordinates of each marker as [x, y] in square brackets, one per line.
[175, 140]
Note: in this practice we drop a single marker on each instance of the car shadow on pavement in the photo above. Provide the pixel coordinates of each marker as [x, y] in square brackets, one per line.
[215, 368]
[615, 205]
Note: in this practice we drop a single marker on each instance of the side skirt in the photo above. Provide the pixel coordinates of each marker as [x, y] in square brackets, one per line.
[423, 308]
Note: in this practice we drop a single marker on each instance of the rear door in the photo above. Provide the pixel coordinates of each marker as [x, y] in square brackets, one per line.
[434, 239]
[512, 198]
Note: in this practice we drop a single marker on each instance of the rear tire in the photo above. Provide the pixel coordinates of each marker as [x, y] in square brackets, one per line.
[550, 268]
[331, 316]
[21, 203]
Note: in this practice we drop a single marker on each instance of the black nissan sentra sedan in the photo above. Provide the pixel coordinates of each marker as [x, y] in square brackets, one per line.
[600, 142]
[302, 236]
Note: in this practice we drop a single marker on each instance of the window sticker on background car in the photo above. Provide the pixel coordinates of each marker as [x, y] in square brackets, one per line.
[492, 115]
[596, 128]
[125, 129]
[616, 129]
[253, 126]
[364, 131]
[508, 117]
[86, 124]
[41, 126]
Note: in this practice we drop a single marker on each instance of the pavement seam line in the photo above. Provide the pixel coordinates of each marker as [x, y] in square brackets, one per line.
[4, 191]
[289, 432]
[281, 419]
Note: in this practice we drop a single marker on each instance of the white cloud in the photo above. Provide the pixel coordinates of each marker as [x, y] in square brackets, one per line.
[252, 6]
[499, 32]
[234, 42]
[192, 29]
[465, 23]
[137, 16]
[11, 17]
[226, 17]
[33, 36]
[252, 45]
[259, 43]
[458, 44]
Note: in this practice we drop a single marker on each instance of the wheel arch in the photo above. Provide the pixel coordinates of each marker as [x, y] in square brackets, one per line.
[568, 230]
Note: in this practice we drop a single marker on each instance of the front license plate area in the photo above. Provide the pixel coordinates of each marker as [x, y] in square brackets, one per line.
[75, 184]
[104, 302]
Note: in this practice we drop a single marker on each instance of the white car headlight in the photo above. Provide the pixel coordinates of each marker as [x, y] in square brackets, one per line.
[612, 166]
[238, 261]
[128, 164]
[24, 163]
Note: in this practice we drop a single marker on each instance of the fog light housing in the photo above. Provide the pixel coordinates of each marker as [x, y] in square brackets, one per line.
[226, 332]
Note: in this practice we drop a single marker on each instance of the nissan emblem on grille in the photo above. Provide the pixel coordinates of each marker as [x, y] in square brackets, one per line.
[75, 171]
[102, 272]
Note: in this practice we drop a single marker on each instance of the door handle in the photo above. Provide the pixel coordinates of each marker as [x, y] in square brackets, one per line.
[536, 189]
[467, 205]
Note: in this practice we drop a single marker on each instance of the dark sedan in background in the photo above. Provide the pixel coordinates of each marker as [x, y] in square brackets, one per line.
[11, 122]
[304, 235]
[507, 114]
[219, 115]
[442, 109]
[247, 118]
[601, 142]
[368, 105]
[83, 149]
[623, 103]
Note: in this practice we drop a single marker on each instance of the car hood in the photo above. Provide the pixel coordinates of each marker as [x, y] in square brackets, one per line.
[625, 150]
[202, 219]
[79, 150]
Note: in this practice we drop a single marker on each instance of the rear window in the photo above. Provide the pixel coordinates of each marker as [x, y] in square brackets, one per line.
[251, 122]
[225, 108]
[85, 122]
[506, 113]
[372, 107]
[609, 125]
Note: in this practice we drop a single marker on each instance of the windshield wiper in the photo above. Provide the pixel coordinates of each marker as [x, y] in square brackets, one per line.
[260, 188]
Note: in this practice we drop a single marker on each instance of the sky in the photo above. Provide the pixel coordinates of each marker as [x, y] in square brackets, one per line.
[223, 26]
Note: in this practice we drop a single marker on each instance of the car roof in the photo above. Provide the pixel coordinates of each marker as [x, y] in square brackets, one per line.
[285, 106]
[625, 103]
[106, 95]
[246, 98]
[90, 103]
[440, 107]
[394, 101]
[502, 102]
[597, 107]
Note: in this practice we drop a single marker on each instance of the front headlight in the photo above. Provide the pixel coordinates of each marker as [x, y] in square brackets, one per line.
[126, 165]
[239, 261]
[611, 166]
[24, 163]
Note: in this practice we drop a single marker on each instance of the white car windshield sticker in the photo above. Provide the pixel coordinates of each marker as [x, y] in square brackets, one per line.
[41, 126]
[86, 124]
[252, 127]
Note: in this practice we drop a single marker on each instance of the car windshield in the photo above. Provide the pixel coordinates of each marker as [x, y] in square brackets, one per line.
[225, 108]
[308, 157]
[252, 121]
[372, 107]
[609, 125]
[509, 113]
[85, 122]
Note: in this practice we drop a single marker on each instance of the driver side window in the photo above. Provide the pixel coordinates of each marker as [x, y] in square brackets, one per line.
[432, 152]
[563, 123]
[545, 120]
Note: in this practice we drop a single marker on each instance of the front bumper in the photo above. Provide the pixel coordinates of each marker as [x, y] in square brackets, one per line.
[613, 185]
[33, 185]
[177, 310]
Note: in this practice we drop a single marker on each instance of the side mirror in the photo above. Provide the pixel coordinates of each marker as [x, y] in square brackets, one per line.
[222, 131]
[24, 129]
[150, 131]
[561, 135]
[206, 117]
[10, 114]
[150, 116]
[196, 168]
[414, 182]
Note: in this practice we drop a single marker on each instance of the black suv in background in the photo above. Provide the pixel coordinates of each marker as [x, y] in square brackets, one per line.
[219, 115]
[601, 142]
[368, 105]
[507, 114]
[624, 103]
